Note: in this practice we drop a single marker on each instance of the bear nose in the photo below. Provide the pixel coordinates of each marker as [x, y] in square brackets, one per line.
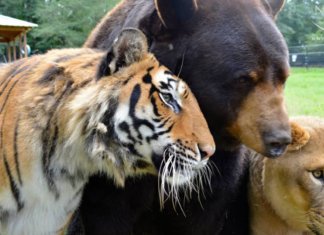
[276, 143]
[206, 151]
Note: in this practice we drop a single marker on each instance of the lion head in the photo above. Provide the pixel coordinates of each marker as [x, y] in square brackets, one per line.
[287, 194]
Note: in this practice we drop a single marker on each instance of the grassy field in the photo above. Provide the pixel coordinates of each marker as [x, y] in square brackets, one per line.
[305, 92]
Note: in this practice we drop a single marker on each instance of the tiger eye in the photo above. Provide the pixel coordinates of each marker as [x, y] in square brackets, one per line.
[167, 97]
[318, 174]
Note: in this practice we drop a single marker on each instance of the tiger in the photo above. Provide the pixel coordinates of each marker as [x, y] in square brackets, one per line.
[72, 113]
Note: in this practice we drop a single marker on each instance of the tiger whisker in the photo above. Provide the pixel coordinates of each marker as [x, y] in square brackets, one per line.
[214, 166]
[182, 62]
[170, 178]
[208, 174]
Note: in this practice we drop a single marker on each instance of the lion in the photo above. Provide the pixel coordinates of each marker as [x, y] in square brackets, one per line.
[286, 195]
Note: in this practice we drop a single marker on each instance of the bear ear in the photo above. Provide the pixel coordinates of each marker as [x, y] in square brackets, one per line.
[300, 137]
[276, 6]
[128, 48]
[175, 14]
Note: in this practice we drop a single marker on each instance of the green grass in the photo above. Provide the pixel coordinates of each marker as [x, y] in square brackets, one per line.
[305, 92]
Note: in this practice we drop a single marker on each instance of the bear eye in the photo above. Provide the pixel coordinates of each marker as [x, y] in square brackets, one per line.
[244, 80]
[318, 174]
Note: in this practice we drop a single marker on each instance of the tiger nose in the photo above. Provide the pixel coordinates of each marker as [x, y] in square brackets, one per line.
[206, 151]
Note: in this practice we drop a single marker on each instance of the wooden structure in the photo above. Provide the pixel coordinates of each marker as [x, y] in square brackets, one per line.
[13, 33]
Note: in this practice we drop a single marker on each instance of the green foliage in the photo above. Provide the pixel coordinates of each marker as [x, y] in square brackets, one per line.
[62, 23]
[305, 92]
[318, 36]
[66, 23]
[21, 9]
[300, 22]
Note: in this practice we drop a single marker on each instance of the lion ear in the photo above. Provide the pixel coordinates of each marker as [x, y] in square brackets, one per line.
[129, 47]
[300, 137]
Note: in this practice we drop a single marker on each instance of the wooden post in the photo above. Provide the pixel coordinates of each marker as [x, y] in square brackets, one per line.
[25, 44]
[20, 45]
[9, 52]
[14, 49]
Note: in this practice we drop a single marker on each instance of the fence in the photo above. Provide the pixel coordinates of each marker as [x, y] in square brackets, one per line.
[307, 55]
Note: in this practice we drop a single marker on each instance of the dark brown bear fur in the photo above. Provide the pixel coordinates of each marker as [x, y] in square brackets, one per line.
[235, 60]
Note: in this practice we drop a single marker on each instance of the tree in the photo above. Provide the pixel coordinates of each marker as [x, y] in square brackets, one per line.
[318, 36]
[62, 23]
[300, 19]
[66, 23]
[21, 9]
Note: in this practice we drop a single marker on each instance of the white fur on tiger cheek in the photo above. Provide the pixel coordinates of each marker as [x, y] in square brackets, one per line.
[145, 148]
[122, 115]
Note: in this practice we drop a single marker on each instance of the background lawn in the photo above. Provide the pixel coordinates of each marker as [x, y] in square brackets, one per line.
[305, 92]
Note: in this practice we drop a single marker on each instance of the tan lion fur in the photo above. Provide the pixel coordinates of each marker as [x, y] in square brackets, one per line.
[285, 198]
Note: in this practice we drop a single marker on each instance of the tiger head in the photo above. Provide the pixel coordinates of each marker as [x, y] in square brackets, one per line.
[146, 116]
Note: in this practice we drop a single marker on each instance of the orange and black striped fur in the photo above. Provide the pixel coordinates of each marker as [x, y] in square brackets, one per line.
[72, 113]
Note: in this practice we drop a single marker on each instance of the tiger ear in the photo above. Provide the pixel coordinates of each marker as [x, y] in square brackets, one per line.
[300, 137]
[129, 47]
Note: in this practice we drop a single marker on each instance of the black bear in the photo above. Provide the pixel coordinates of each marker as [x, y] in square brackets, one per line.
[235, 60]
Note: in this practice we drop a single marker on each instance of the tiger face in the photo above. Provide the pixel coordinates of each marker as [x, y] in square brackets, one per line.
[153, 120]
[159, 121]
